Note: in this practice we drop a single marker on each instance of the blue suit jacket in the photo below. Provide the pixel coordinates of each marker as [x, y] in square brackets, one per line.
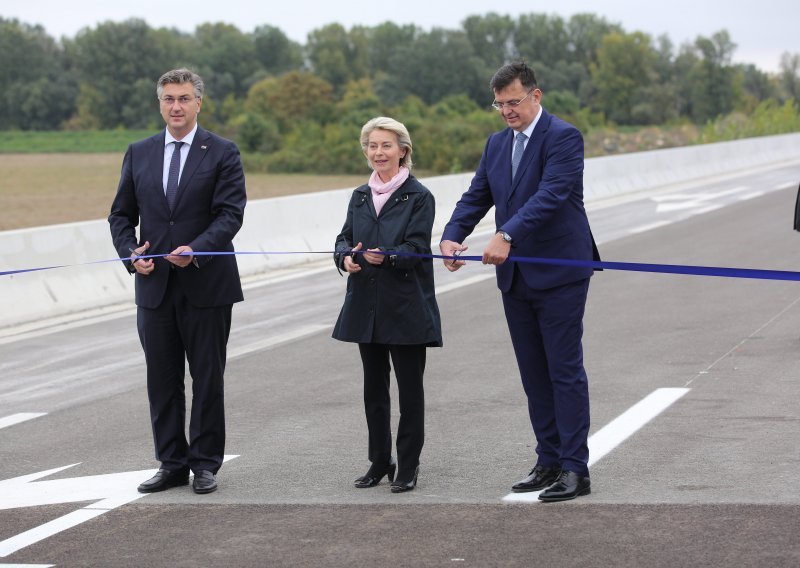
[208, 212]
[542, 209]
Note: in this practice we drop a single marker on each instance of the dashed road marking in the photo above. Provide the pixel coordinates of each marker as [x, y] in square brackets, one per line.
[618, 430]
[7, 421]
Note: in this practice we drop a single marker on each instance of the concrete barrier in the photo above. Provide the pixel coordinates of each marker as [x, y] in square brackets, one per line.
[612, 176]
[310, 222]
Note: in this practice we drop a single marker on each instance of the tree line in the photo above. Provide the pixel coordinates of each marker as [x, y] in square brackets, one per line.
[294, 107]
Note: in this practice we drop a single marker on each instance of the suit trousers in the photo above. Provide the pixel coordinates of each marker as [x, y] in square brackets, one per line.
[409, 367]
[170, 334]
[546, 329]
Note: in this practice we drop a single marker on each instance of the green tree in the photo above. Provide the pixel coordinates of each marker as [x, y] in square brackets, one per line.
[255, 133]
[36, 91]
[453, 138]
[113, 60]
[492, 38]
[385, 45]
[790, 75]
[755, 85]
[712, 79]
[541, 38]
[438, 64]
[275, 52]
[358, 104]
[226, 58]
[585, 33]
[624, 70]
[292, 98]
[336, 56]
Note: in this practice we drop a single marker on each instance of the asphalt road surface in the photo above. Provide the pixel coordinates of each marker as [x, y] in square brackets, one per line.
[695, 391]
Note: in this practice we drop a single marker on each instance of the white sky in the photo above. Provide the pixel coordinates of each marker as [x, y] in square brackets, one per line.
[762, 30]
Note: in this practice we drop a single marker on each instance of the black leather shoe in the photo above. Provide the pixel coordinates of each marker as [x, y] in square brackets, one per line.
[164, 479]
[204, 482]
[568, 486]
[375, 474]
[539, 478]
[401, 485]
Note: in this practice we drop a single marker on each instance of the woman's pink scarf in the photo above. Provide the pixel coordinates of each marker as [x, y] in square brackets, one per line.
[381, 192]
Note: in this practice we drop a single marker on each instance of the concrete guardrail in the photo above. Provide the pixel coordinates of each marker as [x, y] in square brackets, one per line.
[310, 222]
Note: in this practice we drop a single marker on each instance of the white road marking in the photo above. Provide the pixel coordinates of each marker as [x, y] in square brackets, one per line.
[279, 340]
[649, 227]
[618, 430]
[464, 282]
[109, 491]
[49, 326]
[709, 208]
[681, 201]
[19, 417]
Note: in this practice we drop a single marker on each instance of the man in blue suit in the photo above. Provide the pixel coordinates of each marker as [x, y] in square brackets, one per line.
[532, 173]
[187, 187]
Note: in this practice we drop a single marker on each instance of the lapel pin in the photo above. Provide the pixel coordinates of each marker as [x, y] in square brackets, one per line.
[203, 147]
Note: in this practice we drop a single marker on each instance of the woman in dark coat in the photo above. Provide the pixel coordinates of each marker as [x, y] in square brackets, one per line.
[390, 307]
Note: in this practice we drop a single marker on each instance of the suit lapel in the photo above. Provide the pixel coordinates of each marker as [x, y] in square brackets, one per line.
[156, 158]
[197, 152]
[532, 149]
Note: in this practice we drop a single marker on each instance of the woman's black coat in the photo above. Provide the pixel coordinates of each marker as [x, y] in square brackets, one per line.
[394, 303]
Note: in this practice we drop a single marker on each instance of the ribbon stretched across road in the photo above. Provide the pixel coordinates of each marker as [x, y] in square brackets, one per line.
[719, 271]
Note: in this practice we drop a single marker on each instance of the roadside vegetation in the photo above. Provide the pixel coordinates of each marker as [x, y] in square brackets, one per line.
[295, 107]
[69, 107]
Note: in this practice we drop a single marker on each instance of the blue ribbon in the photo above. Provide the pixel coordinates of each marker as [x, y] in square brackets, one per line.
[719, 271]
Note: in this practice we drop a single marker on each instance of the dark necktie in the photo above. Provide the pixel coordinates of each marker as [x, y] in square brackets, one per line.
[516, 156]
[174, 174]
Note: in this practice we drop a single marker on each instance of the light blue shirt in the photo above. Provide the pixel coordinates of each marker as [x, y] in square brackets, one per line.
[528, 132]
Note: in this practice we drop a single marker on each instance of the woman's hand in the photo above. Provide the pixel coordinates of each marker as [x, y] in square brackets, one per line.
[374, 256]
[350, 265]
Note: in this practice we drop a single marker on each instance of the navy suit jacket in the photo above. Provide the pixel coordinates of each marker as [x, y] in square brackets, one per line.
[207, 214]
[542, 209]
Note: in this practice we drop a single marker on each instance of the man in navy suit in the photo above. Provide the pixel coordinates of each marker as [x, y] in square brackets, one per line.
[186, 186]
[532, 173]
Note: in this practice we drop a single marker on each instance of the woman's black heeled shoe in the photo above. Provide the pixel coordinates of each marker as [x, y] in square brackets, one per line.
[400, 486]
[375, 474]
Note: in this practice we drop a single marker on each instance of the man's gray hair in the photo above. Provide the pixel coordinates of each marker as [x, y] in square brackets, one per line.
[390, 125]
[181, 76]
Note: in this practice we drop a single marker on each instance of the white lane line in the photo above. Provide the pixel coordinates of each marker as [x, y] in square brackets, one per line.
[27, 565]
[313, 329]
[57, 324]
[68, 521]
[464, 282]
[279, 340]
[7, 421]
[618, 430]
[708, 209]
[649, 227]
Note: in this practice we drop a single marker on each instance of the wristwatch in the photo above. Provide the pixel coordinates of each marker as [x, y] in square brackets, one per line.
[506, 237]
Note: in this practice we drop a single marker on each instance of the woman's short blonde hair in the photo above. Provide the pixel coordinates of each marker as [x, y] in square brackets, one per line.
[390, 125]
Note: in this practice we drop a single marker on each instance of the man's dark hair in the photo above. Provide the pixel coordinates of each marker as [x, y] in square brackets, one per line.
[515, 70]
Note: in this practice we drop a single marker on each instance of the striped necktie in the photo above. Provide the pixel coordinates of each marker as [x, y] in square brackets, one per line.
[516, 157]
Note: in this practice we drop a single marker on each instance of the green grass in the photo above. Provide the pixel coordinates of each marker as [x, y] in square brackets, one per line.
[78, 141]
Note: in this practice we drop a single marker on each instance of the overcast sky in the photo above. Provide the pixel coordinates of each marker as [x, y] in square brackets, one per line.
[762, 30]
